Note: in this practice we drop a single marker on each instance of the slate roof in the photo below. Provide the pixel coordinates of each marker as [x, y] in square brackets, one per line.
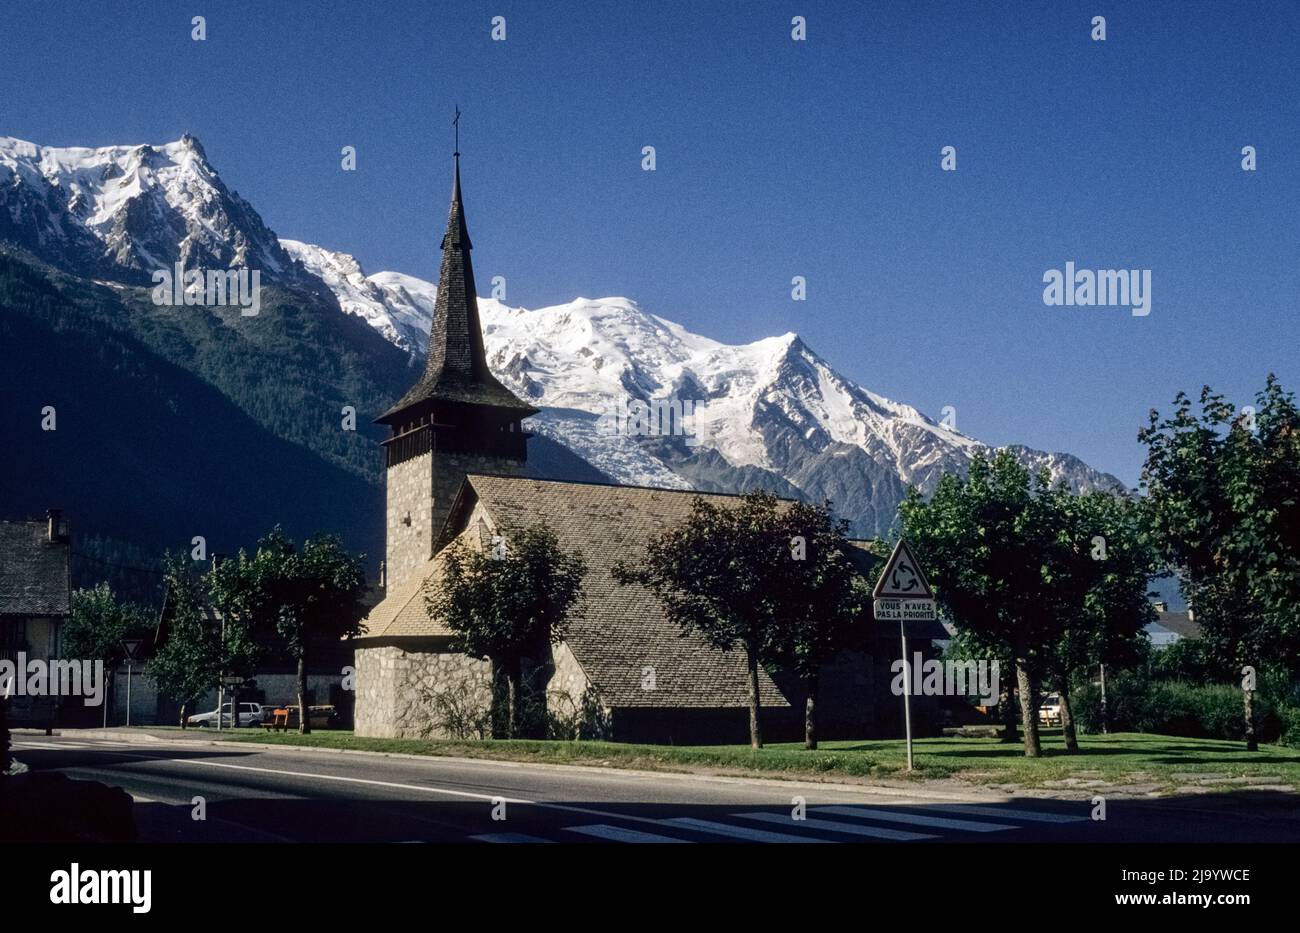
[34, 573]
[456, 369]
[1180, 623]
[616, 630]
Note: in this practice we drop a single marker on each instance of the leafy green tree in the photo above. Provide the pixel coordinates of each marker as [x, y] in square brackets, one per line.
[1099, 589]
[821, 599]
[1223, 505]
[190, 657]
[719, 574]
[509, 603]
[1007, 555]
[296, 596]
[99, 624]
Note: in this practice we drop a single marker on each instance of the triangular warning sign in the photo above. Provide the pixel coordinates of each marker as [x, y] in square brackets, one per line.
[902, 578]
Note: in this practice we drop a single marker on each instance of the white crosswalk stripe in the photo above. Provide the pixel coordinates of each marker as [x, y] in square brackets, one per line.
[619, 834]
[739, 832]
[879, 814]
[1033, 816]
[833, 826]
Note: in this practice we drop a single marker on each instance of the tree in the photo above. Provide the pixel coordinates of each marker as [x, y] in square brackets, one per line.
[99, 624]
[1223, 507]
[820, 598]
[1100, 590]
[719, 575]
[1003, 552]
[189, 657]
[296, 596]
[509, 603]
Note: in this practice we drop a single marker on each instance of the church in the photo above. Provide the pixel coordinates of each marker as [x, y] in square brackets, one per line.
[457, 468]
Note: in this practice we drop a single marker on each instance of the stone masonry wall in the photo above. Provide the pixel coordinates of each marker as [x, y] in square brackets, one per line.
[425, 487]
[420, 694]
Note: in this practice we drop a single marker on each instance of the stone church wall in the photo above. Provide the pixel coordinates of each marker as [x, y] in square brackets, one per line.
[421, 694]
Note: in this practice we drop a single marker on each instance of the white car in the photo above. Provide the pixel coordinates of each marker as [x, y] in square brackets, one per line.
[250, 714]
[1049, 714]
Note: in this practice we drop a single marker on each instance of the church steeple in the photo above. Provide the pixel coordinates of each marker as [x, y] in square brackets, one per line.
[456, 370]
[457, 418]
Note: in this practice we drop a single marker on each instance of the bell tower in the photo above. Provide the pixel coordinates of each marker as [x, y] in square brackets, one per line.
[456, 419]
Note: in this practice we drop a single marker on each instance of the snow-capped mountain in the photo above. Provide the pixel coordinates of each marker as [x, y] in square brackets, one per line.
[770, 413]
[122, 211]
[398, 306]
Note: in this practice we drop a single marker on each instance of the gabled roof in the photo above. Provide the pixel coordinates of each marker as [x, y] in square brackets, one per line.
[1180, 623]
[456, 369]
[35, 575]
[616, 630]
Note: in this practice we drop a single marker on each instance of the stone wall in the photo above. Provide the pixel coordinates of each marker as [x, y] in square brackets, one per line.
[421, 693]
[424, 488]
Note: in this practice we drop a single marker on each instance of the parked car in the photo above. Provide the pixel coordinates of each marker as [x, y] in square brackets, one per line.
[1049, 713]
[250, 714]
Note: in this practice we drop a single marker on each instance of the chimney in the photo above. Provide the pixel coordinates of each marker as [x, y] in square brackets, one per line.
[1162, 606]
[1191, 616]
[54, 527]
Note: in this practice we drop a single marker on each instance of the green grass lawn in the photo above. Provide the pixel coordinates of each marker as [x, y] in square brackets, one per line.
[1125, 758]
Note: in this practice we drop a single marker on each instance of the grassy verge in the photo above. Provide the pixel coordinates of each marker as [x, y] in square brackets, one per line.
[1123, 759]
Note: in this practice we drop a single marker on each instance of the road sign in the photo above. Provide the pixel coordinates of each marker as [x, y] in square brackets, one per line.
[903, 595]
[232, 681]
[902, 578]
[130, 646]
[904, 610]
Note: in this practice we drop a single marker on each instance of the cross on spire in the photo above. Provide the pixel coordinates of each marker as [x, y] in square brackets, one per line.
[456, 123]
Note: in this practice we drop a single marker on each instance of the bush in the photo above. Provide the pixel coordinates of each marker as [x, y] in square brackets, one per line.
[1289, 718]
[1203, 711]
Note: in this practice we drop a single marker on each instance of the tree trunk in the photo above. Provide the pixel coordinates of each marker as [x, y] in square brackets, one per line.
[514, 685]
[304, 721]
[1028, 710]
[755, 732]
[184, 707]
[1067, 717]
[1006, 705]
[813, 682]
[1248, 710]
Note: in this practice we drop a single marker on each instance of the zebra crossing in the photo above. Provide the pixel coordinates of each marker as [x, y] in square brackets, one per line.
[821, 824]
[102, 744]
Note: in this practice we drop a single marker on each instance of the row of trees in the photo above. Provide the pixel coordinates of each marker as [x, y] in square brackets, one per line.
[276, 601]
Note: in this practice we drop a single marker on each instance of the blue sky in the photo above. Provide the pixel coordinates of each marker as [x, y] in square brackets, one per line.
[775, 159]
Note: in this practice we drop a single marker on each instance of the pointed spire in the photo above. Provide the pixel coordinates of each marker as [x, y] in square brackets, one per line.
[456, 369]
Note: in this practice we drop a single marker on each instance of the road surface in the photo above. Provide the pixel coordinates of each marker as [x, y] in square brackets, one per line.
[279, 794]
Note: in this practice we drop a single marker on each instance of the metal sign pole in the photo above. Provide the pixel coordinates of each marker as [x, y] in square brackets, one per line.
[907, 691]
[128, 693]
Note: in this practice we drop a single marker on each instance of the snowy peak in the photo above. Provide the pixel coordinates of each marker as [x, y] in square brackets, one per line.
[123, 211]
[771, 413]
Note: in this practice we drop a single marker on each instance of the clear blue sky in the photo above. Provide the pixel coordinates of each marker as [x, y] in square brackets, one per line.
[775, 159]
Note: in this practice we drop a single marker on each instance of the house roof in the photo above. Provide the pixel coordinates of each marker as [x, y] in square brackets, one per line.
[456, 369]
[616, 630]
[1180, 623]
[34, 572]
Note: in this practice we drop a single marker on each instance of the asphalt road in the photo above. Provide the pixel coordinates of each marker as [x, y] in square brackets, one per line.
[299, 795]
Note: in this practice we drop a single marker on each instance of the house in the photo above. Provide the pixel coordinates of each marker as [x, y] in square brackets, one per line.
[456, 470]
[1171, 626]
[35, 602]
